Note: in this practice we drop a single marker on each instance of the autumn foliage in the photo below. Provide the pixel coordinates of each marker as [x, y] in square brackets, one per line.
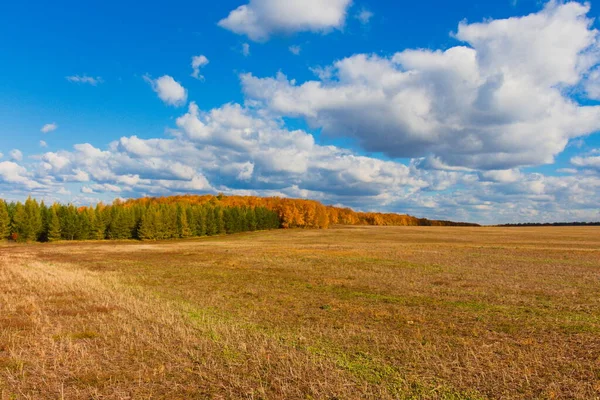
[301, 213]
[181, 217]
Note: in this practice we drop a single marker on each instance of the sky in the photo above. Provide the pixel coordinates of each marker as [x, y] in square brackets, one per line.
[474, 110]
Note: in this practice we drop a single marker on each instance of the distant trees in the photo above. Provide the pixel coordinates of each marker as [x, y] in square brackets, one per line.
[181, 217]
[31, 221]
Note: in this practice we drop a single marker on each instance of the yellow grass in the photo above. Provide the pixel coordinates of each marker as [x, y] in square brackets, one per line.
[352, 312]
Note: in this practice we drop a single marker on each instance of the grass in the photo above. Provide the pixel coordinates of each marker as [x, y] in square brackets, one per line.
[351, 312]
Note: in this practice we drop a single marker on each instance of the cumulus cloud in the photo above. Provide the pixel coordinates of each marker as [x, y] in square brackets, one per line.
[259, 19]
[169, 90]
[43, 143]
[227, 149]
[261, 152]
[498, 102]
[49, 127]
[239, 149]
[94, 81]
[16, 155]
[16, 176]
[502, 176]
[197, 63]
[470, 118]
[590, 161]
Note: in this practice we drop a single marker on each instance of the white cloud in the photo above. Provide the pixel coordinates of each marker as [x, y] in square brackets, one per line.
[49, 127]
[259, 19]
[14, 174]
[243, 150]
[587, 162]
[364, 16]
[16, 155]
[106, 187]
[498, 103]
[228, 147]
[295, 50]
[246, 49]
[567, 170]
[94, 81]
[43, 143]
[197, 63]
[169, 90]
[501, 176]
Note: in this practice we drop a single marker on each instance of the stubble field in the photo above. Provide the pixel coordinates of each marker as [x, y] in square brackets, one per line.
[345, 313]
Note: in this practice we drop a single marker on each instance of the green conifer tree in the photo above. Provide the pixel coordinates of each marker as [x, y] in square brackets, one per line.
[211, 224]
[219, 221]
[99, 226]
[69, 222]
[20, 223]
[4, 221]
[251, 219]
[34, 219]
[148, 225]
[53, 233]
[200, 217]
[183, 228]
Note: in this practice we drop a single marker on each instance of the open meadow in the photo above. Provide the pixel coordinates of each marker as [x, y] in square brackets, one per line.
[345, 313]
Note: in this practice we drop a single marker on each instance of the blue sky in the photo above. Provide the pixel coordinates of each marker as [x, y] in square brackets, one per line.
[481, 111]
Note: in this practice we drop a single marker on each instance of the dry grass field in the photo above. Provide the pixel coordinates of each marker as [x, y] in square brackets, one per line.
[346, 313]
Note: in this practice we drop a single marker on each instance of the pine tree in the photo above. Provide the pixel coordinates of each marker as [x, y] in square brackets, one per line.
[251, 219]
[219, 221]
[20, 223]
[4, 221]
[34, 219]
[148, 225]
[200, 213]
[168, 218]
[183, 228]
[211, 224]
[99, 226]
[69, 223]
[122, 223]
[53, 225]
[84, 225]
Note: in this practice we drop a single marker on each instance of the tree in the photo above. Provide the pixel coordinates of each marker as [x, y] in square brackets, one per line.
[251, 219]
[99, 224]
[211, 224]
[4, 221]
[34, 219]
[53, 225]
[200, 221]
[20, 223]
[69, 223]
[122, 223]
[219, 221]
[148, 229]
[183, 228]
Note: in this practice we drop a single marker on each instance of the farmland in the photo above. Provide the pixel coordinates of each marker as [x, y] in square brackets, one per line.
[344, 313]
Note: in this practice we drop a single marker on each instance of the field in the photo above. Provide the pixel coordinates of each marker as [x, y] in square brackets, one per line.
[345, 313]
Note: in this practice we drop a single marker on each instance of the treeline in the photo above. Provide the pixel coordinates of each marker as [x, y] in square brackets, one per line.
[551, 224]
[181, 217]
[33, 221]
[299, 213]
